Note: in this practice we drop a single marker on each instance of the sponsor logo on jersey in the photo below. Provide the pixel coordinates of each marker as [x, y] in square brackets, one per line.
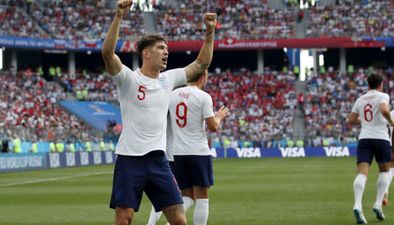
[336, 151]
[248, 152]
[292, 152]
[163, 82]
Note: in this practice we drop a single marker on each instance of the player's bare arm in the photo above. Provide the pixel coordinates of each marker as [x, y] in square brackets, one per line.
[204, 57]
[353, 119]
[385, 110]
[213, 123]
[113, 65]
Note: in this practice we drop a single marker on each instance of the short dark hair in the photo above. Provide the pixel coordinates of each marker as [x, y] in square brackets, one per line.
[374, 80]
[149, 40]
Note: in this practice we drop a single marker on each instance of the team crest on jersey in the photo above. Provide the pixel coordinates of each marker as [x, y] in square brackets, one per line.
[163, 82]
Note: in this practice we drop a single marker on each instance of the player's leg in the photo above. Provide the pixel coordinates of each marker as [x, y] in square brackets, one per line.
[391, 174]
[188, 198]
[201, 209]
[381, 188]
[175, 214]
[154, 216]
[364, 160]
[358, 187]
[202, 180]
[359, 183]
[128, 182]
[123, 216]
[383, 158]
[163, 191]
[184, 179]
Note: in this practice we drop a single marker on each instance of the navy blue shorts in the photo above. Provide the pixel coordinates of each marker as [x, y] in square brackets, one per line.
[193, 170]
[149, 173]
[392, 155]
[172, 166]
[368, 148]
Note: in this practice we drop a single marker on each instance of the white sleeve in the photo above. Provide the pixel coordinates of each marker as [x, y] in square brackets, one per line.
[385, 99]
[122, 79]
[207, 108]
[176, 77]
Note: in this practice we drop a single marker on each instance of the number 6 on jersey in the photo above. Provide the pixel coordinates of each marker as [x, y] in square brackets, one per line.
[368, 113]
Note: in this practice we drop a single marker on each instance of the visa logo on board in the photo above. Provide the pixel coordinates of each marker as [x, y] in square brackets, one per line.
[292, 152]
[337, 151]
[248, 152]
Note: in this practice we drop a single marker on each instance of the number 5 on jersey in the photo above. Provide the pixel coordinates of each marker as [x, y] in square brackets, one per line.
[181, 114]
[141, 94]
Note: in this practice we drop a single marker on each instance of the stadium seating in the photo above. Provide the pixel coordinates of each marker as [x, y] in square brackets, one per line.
[29, 110]
[329, 99]
[67, 20]
[262, 106]
[240, 19]
[90, 87]
[16, 23]
[352, 19]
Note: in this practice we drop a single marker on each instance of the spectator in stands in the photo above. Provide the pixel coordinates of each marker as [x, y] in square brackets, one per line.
[4, 145]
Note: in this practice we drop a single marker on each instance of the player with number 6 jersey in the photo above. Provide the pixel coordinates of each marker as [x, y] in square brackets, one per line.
[372, 111]
[190, 109]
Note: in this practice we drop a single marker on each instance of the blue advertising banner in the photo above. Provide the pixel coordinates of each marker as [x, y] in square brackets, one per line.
[283, 152]
[38, 43]
[388, 41]
[71, 159]
[96, 114]
[28, 161]
[22, 161]
[10, 162]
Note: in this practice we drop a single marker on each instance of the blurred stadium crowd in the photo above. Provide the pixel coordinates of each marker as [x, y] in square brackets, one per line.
[263, 105]
[239, 19]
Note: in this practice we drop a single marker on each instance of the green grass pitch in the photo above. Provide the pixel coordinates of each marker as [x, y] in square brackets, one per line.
[268, 191]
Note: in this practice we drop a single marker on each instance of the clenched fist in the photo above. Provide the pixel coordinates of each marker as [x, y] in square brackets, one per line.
[123, 7]
[210, 20]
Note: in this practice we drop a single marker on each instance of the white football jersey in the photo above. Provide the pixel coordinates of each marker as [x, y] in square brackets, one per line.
[144, 106]
[373, 124]
[170, 141]
[189, 107]
[391, 128]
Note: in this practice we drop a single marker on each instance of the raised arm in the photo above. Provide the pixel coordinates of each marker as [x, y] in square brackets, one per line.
[113, 65]
[204, 58]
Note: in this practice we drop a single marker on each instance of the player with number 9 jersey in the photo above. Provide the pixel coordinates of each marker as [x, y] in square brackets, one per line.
[189, 107]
